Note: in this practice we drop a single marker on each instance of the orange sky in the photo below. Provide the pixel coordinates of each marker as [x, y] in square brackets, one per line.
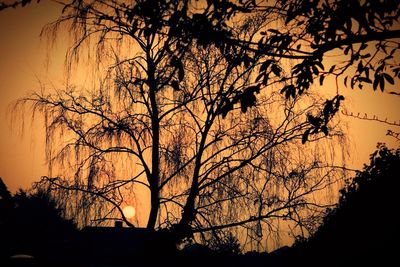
[23, 63]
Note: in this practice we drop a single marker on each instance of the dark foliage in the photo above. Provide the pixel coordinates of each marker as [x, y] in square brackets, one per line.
[364, 33]
[31, 224]
[363, 228]
[4, 193]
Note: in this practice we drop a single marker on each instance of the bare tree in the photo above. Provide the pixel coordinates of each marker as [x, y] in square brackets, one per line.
[179, 116]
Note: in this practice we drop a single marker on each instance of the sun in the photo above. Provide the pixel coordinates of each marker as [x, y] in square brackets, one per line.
[129, 212]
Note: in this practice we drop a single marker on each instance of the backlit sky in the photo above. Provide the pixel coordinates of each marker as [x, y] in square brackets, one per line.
[25, 60]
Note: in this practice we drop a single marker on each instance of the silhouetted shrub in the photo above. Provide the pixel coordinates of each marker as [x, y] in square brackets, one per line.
[363, 227]
[32, 224]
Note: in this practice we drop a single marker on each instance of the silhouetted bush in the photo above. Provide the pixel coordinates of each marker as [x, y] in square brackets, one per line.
[32, 224]
[363, 227]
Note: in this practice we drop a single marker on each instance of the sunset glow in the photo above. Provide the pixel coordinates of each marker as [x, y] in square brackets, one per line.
[254, 133]
[129, 212]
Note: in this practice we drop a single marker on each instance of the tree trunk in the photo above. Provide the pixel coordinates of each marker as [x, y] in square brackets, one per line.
[189, 211]
[155, 157]
[155, 205]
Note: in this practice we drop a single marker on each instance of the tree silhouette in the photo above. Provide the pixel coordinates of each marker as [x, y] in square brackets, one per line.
[186, 102]
[34, 224]
[363, 33]
[362, 228]
[4, 193]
